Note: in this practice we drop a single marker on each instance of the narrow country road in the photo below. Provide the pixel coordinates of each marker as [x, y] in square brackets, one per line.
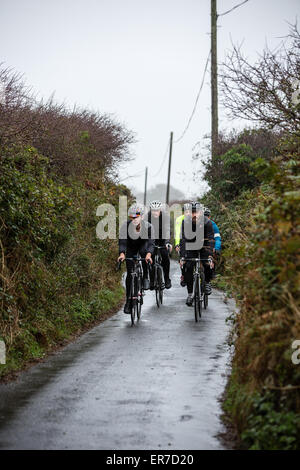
[151, 386]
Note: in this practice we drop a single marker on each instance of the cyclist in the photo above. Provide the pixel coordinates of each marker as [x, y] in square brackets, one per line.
[178, 223]
[135, 238]
[218, 240]
[217, 235]
[161, 221]
[197, 220]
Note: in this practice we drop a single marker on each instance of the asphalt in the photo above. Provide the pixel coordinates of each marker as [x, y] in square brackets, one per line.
[156, 385]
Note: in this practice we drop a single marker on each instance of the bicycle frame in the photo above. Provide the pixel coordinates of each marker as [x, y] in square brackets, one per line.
[199, 295]
[158, 260]
[137, 291]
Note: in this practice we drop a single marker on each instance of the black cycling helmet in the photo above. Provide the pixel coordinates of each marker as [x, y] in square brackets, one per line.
[196, 206]
[207, 211]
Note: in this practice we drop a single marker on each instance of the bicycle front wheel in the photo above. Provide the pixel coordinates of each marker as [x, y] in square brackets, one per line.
[156, 285]
[134, 303]
[197, 299]
[139, 296]
[205, 300]
[160, 283]
[204, 295]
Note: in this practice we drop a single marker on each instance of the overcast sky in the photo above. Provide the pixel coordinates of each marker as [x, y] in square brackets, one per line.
[141, 61]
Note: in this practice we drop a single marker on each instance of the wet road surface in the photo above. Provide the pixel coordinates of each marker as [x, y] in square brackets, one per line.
[152, 386]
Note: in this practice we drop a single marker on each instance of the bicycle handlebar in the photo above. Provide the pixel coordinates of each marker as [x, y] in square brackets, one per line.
[118, 265]
[132, 259]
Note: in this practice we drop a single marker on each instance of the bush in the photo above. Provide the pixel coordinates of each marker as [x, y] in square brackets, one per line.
[230, 171]
[260, 230]
[77, 142]
[32, 207]
[56, 276]
[269, 429]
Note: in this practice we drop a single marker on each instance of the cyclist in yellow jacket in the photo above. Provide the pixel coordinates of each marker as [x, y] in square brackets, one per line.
[178, 224]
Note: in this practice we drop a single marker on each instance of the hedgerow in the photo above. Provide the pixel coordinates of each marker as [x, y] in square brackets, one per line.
[56, 167]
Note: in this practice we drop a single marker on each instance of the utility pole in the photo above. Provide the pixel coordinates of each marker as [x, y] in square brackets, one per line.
[145, 190]
[214, 77]
[169, 170]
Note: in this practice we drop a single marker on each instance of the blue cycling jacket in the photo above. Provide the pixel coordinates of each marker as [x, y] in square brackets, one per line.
[217, 236]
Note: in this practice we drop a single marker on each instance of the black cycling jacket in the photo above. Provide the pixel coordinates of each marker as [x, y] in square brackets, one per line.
[143, 243]
[163, 227]
[208, 242]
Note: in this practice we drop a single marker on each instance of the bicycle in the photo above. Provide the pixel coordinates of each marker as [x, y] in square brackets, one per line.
[159, 281]
[136, 288]
[199, 295]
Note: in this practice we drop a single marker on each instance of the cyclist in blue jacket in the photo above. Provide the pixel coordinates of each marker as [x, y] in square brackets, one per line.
[218, 240]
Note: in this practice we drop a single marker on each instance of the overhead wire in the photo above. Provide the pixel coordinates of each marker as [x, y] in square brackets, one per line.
[136, 175]
[233, 8]
[194, 107]
[163, 161]
[132, 176]
[196, 101]
[203, 78]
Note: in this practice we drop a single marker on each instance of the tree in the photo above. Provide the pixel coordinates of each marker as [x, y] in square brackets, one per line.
[77, 141]
[264, 92]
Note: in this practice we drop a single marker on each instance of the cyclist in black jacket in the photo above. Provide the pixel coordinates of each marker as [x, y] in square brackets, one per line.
[197, 222]
[161, 222]
[136, 238]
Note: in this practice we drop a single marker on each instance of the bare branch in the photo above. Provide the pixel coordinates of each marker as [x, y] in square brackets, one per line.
[263, 92]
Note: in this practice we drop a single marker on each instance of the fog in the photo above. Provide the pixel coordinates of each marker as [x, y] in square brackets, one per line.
[140, 61]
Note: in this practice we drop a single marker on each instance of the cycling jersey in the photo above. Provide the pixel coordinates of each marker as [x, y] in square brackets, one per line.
[144, 242]
[205, 252]
[208, 233]
[161, 227]
[131, 247]
[178, 224]
[217, 236]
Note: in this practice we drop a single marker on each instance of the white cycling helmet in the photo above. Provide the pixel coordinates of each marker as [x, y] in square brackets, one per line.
[187, 206]
[156, 205]
[136, 210]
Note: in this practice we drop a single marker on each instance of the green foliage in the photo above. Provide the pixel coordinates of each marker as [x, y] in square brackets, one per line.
[230, 171]
[82, 311]
[57, 277]
[260, 231]
[235, 166]
[269, 429]
[56, 167]
[32, 206]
